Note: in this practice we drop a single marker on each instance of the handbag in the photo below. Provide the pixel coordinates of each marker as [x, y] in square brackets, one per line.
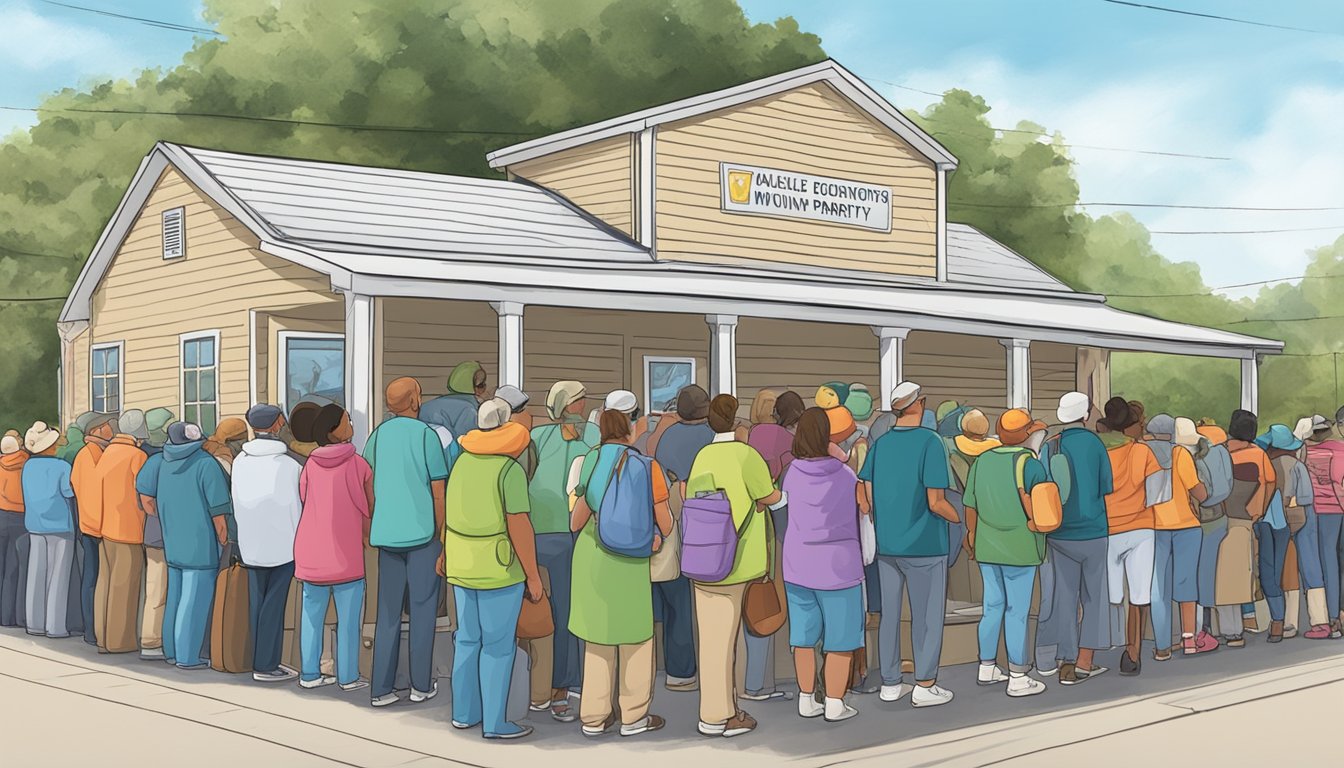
[708, 538]
[867, 537]
[230, 641]
[535, 620]
[765, 607]
[1044, 509]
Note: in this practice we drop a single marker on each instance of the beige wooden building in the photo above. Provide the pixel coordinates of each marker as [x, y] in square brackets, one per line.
[785, 232]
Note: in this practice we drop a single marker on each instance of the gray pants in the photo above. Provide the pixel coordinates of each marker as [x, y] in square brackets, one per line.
[761, 650]
[406, 579]
[50, 560]
[925, 578]
[1079, 576]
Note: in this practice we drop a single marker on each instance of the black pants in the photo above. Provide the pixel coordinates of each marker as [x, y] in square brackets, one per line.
[88, 583]
[268, 591]
[11, 578]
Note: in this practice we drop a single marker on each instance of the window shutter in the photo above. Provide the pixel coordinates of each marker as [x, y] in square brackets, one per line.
[174, 233]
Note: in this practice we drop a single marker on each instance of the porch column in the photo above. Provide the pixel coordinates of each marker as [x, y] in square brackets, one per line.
[722, 354]
[891, 361]
[361, 401]
[1019, 372]
[65, 409]
[1250, 384]
[510, 342]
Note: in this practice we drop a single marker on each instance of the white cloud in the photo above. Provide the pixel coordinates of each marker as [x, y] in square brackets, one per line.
[34, 43]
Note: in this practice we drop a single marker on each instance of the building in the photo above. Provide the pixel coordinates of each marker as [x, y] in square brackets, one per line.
[785, 232]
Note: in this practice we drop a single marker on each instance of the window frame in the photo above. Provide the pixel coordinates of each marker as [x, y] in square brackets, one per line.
[120, 347]
[648, 380]
[182, 339]
[282, 339]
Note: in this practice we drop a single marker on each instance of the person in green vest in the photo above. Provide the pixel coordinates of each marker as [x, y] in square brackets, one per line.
[1007, 547]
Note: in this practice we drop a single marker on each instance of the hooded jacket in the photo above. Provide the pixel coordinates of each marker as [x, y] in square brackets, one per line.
[329, 543]
[266, 506]
[821, 545]
[88, 489]
[190, 489]
[11, 481]
[121, 518]
[456, 410]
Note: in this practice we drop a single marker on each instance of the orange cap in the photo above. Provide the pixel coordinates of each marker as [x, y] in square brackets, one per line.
[1016, 425]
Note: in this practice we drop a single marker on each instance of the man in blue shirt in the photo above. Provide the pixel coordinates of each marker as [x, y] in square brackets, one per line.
[905, 478]
[1076, 552]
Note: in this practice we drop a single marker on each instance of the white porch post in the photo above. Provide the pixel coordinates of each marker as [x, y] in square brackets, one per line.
[510, 342]
[69, 331]
[722, 354]
[1250, 383]
[1019, 372]
[359, 365]
[891, 361]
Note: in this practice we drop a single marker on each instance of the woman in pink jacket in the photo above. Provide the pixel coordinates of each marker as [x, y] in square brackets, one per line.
[336, 488]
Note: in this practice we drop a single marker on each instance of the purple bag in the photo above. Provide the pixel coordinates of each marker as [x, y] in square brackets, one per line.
[708, 537]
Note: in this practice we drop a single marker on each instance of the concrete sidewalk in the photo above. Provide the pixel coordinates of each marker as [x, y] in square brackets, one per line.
[63, 702]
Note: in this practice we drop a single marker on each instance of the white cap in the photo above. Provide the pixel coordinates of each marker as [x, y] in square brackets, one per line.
[1186, 433]
[904, 395]
[1073, 406]
[1304, 428]
[9, 444]
[622, 400]
[493, 413]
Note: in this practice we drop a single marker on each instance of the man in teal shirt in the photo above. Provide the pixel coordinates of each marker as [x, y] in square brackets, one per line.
[906, 477]
[409, 478]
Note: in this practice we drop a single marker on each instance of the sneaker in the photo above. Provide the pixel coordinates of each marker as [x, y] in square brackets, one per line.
[1289, 633]
[809, 707]
[193, 667]
[1205, 642]
[739, 725]
[417, 696]
[152, 654]
[838, 711]
[1020, 686]
[710, 729]
[771, 696]
[1318, 632]
[386, 700]
[461, 726]
[605, 727]
[280, 675]
[894, 692]
[562, 712]
[514, 731]
[1051, 672]
[932, 696]
[1129, 667]
[320, 682]
[682, 684]
[358, 684]
[990, 674]
[1335, 630]
[649, 724]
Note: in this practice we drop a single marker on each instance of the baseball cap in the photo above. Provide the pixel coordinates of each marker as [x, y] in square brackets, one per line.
[904, 395]
[1073, 407]
[622, 400]
[263, 415]
[1016, 425]
[183, 432]
[493, 413]
[515, 397]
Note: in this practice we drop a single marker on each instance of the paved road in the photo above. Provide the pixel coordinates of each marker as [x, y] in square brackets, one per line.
[53, 690]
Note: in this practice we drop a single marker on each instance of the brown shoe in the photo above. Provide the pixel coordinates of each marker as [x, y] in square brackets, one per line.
[740, 724]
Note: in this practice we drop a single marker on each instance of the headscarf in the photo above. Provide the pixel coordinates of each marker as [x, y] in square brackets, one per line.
[462, 381]
[228, 430]
[74, 443]
[562, 395]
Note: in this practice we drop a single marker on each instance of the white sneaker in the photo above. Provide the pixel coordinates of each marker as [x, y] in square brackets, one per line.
[386, 700]
[277, 675]
[321, 682]
[1051, 672]
[1022, 685]
[990, 674]
[357, 684]
[417, 696]
[894, 692]
[809, 707]
[837, 710]
[933, 696]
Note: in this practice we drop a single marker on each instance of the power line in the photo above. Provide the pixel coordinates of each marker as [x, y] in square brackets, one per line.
[1142, 205]
[1217, 288]
[170, 25]
[1220, 18]
[1284, 319]
[1159, 153]
[30, 299]
[1241, 231]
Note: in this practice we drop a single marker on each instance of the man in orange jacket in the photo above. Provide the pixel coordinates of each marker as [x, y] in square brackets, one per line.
[12, 459]
[99, 429]
[121, 552]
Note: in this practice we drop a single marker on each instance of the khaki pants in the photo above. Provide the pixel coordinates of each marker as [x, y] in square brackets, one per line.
[156, 597]
[541, 652]
[718, 617]
[116, 597]
[626, 669]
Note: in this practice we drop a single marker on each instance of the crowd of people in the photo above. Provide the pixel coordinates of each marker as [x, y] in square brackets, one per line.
[597, 524]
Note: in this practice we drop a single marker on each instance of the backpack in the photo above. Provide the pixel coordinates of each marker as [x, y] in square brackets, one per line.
[625, 521]
[1214, 467]
[1041, 503]
[1295, 515]
[1158, 486]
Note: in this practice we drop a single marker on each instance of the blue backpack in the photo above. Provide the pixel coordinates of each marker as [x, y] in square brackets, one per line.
[625, 521]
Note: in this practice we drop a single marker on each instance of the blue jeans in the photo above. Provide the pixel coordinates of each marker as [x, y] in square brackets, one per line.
[1175, 577]
[1007, 606]
[672, 607]
[268, 590]
[1330, 539]
[1211, 538]
[186, 615]
[88, 582]
[483, 651]
[1273, 551]
[406, 578]
[1307, 540]
[349, 602]
[555, 553]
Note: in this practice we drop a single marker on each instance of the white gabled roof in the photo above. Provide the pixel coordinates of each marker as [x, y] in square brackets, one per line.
[974, 258]
[828, 71]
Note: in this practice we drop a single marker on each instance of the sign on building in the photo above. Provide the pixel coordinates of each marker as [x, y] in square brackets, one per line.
[772, 192]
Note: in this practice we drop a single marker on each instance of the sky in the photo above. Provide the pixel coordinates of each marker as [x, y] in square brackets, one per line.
[1104, 74]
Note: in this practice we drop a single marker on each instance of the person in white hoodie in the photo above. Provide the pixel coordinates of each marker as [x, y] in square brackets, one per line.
[265, 485]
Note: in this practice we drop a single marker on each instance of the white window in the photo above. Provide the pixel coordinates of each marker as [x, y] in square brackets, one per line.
[174, 233]
[200, 379]
[105, 377]
[312, 367]
[664, 377]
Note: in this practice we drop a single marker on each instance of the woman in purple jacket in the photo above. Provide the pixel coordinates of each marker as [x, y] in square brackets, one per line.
[823, 567]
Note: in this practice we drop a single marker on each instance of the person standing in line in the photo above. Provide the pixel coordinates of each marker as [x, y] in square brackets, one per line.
[227, 442]
[1290, 491]
[156, 567]
[122, 552]
[823, 567]
[1008, 548]
[1254, 481]
[737, 470]
[301, 416]
[675, 447]
[12, 581]
[266, 508]
[48, 516]
[1325, 463]
[490, 561]
[189, 493]
[613, 595]
[468, 387]
[336, 491]
[99, 430]
[906, 478]
[1130, 548]
[558, 446]
[1306, 533]
[1177, 538]
[409, 478]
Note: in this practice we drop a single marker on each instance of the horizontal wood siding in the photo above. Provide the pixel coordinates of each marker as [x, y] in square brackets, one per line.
[1054, 371]
[426, 338]
[809, 130]
[802, 356]
[146, 301]
[968, 369]
[597, 177]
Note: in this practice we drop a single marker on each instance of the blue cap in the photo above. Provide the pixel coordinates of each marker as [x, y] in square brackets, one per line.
[263, 415]
[1281, 437]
